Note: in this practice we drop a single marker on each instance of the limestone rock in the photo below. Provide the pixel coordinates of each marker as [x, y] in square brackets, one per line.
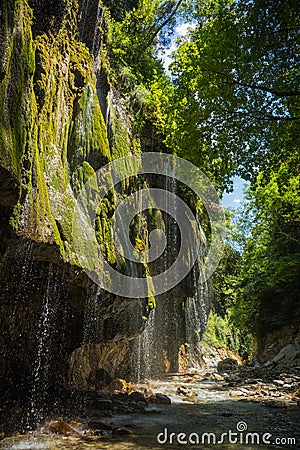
[95, 364]
[61, 427]
[137, 397]
[117, 385]
[227, 365]
[162, 399]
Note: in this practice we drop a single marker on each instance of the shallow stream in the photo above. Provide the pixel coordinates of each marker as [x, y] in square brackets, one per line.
[231, 423]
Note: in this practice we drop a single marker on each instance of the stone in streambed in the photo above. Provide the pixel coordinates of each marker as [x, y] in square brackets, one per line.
[117, 385]
[182, 390]
[137, 397]
[140, 406]
[227, 365]
[61, 427]
[119, 397]
[216, 377]
[162, 399]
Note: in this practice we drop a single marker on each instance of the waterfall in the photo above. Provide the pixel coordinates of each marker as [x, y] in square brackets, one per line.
[91, 22]
[92, 328]
[174, 322]
[107, 114]
[196, 306]
[172, 237]
[144, 350]
[150, 355]
[46, 327]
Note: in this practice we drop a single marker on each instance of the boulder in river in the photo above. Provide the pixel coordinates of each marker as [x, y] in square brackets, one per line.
[162, 399]
[137, 397]
[227, 365]
[61, 427]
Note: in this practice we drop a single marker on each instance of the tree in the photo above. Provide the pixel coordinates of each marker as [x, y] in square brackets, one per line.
[268, 288]
[135, 37]
[235, 106]
[119, 9]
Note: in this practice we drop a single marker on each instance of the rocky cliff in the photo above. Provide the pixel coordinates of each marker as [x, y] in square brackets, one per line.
[63, 118]
[54, 96]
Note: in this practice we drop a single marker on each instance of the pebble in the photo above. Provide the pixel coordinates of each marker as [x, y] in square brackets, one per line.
[182, 390]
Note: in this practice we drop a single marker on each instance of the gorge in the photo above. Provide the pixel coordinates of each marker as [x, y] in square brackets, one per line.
[59, 329]
[81, 86]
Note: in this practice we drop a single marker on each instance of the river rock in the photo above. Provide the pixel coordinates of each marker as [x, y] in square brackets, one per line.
[227, 365]
[278, 382]
[182, 390]
[119, 397]
[140, 406]
[117, 385]
[137, 397]
[236, 393]
[61, 427]
[216, 377]
[162, 399]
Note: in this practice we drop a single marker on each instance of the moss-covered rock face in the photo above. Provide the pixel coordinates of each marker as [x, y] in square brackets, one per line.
[54, 133]
[53, 137]
[63, 118]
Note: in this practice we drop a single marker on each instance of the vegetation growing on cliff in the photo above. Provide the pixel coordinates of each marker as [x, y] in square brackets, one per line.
[231, 106]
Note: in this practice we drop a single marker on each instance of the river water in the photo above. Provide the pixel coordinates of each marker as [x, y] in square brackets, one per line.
[232, 423]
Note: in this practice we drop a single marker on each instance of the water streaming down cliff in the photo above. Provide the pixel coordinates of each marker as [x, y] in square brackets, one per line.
[44, 334]
[173, 323]
[50, 319]
[93, 320]
[196, 310]
[144, 351]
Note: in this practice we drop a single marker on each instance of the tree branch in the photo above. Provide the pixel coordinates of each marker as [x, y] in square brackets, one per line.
[258, 87]
[274, 118]
[163, 24]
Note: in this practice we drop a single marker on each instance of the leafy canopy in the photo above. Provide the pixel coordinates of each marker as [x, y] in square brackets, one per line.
[235, 105]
